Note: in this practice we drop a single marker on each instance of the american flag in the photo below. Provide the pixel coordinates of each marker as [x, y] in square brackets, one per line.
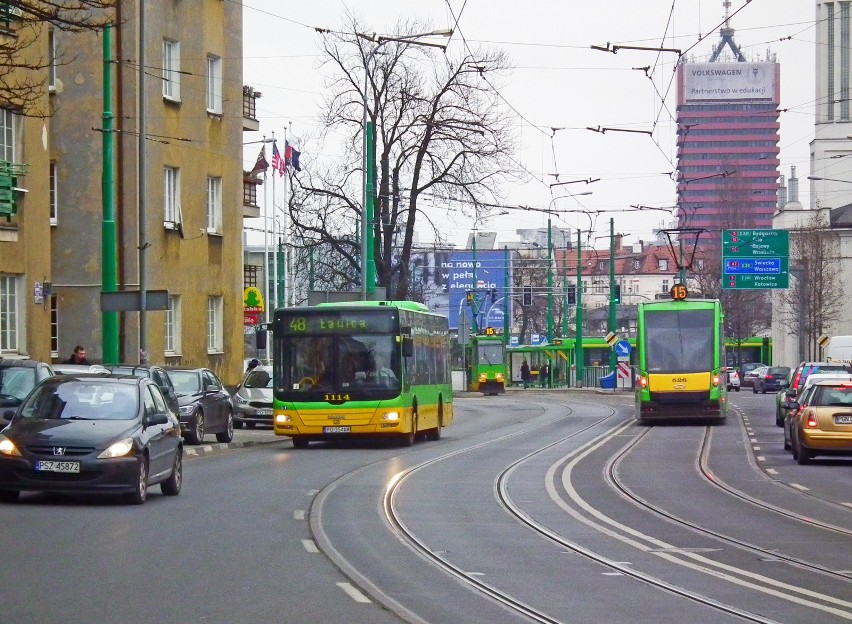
[278, 162]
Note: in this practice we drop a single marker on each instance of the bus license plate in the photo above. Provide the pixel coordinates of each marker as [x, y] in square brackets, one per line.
[336, 429]
[57, 466]
[843, 419]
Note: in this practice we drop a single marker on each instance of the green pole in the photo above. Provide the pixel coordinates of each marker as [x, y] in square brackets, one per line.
[549, 283]
[578, 338]
[474, 306]
[611, 324]
[109, 270]
[282, 282]
[565, 293]
[506, 295]
[370, 177]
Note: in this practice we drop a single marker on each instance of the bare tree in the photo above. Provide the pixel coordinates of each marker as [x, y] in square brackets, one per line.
[25, 60]
[441, 132]
[814, 299]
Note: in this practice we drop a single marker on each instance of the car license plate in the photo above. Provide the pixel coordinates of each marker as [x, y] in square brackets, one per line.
[843, 419]
[263, 412]
[57, 466]
[336, 429]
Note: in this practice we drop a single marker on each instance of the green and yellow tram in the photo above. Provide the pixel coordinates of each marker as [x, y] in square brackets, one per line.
[487, 363]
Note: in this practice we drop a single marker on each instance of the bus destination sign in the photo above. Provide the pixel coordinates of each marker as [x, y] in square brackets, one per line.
[349, 322]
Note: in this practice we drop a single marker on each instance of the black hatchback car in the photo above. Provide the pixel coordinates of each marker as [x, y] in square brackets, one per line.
[204, 404]
[157, 373]
[773, 380]
[17, 379]
[92, 434]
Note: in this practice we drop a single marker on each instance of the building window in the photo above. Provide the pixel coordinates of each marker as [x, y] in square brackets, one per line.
[52, 192]
[171, 70]
[666, 286]
[8, 135]
[830, 61]
[173, 337]
[635, 265]
[844, 61]
[250, 273]
[701, 264]
[54, 325]
[171, 195]
[663, 264]
[51, 52]
[214, 325]
[9, 317]
[214, 205]
[214, 85]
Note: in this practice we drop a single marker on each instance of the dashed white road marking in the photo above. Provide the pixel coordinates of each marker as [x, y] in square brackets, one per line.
[299, 514]
[800, 487]
[756, 448]
[761, 458]
[772, 471]
[312, 492]
[353, 592]
[310, 546]
[847, 504]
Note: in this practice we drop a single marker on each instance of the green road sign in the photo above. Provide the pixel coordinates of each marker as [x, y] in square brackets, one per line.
[755, 259]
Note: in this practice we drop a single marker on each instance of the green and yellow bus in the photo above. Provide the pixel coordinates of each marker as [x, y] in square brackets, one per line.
[366, 368]
[487, 361]
[680, 359]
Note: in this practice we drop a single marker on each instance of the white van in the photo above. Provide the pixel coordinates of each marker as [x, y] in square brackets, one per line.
[839, 349]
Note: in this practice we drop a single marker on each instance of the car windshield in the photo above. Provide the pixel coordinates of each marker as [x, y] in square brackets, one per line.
[832, 396]
[813, 370]
[258, 379]
[82, 399]
[779, 372]
[186, 382]
[16, 382]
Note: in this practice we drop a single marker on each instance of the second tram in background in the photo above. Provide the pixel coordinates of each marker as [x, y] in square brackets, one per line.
[487, 362]
[680, 359]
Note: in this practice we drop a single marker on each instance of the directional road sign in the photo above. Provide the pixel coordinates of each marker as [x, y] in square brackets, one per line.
[622, 348]
[755, 259]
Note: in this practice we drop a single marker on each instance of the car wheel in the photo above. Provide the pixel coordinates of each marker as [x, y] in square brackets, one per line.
[228, 434]
[779, 422]
[195, 433]
[9, 496]
[172, 485]
[737, 388]
[140, 491]
[805, 455]
[763, 390]
[754, 389]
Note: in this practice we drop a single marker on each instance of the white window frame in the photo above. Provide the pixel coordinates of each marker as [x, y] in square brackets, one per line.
[171, 70]
[11, 314]
[171, 197]
[54, 325]
[214, 205]
[53, 195]
[173, 336]
[666, 288]
[214, 84]
[663, 264]
[9, 128]
[215, 336]
[51, 52]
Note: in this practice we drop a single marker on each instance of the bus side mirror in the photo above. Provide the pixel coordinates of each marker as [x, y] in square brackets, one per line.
[260, 339]
[407, 346]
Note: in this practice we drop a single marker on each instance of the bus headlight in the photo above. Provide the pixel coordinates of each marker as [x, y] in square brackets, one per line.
[394, 416]
[280, 419]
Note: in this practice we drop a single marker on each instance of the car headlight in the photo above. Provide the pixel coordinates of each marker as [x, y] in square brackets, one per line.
[117, 449]
[186, 410]
[7, 447]
[240, 399]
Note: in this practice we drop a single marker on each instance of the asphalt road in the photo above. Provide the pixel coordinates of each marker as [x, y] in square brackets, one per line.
[536, 506]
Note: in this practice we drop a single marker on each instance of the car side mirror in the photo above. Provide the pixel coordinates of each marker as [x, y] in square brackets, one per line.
[407, 346]
[791, 392]
[7, 417]
[156, 419]
[211, 388]
[793, 406]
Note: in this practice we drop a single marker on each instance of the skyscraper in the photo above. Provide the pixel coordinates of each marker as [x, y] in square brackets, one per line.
[727, 143]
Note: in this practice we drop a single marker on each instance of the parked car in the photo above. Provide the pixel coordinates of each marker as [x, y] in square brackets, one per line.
[733, 380]
[17, 379]
[253, 399]
[772, 380]
[157, 373]
[797, 378]
[748, 377]
[205, 405]
[92, 434]
[76, 369]
[802, 398]
[824, 425]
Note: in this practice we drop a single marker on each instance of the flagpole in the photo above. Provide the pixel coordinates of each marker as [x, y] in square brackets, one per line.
[266, 244]
[288, 276]
[274, 301]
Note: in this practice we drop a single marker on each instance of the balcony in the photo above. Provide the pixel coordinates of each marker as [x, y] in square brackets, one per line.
[250, 96]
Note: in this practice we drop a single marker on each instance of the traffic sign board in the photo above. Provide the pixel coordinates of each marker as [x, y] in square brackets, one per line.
[611, 338]
[622, 348]
[755, 259]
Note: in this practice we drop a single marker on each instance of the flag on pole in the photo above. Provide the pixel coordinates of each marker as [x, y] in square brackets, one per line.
[260, 166]
[291, 156]
[278, 163]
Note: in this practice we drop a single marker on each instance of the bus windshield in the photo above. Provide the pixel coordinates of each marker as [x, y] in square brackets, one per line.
[679, 341]
[359, 366]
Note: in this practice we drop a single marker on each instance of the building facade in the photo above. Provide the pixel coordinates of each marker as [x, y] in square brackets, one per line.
[178, 191]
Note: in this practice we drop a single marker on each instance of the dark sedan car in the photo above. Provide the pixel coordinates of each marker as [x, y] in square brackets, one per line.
[773, 380]
[205, 405]
[17, 379]
[157, 373]
[92, 434]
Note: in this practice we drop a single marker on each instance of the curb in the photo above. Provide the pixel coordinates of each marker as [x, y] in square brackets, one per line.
[209, 449]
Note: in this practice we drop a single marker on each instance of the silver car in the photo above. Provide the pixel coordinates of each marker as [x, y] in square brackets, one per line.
[253, 399]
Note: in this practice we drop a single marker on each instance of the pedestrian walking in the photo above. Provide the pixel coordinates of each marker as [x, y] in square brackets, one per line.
[526, 377]
[78, 357]
[544, 375]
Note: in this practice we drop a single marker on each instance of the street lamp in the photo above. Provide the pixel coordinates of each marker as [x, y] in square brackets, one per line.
[368, 261]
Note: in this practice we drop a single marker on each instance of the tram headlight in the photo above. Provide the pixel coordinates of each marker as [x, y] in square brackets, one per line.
[483, 377]
[499, 376]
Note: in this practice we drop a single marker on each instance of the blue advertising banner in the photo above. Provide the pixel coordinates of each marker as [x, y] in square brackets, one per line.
[482, 275]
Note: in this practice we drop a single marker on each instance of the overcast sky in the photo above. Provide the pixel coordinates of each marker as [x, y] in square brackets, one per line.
[558, 81]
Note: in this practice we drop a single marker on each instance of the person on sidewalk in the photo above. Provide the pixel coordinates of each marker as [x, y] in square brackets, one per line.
[526, 377]
[78, 357]
[544, 375]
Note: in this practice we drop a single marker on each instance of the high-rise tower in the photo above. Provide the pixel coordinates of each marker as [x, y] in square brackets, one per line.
[727, 143]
